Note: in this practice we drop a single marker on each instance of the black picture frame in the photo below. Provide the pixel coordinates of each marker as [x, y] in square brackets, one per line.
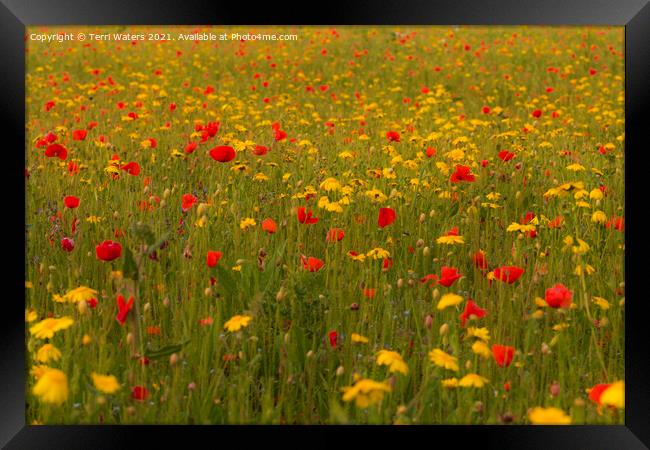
[633, 14]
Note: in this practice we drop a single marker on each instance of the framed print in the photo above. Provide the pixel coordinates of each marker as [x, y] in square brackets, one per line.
[411, 214]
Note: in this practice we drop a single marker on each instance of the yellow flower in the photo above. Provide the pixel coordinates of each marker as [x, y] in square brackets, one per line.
[482, 333]
[596, 194]
[46, 328]
[442, 359]
[514, 226]
[82, 293]
[29, 285]
[393, 360]
[449, 300]
[473, 380]
[48, 352]
[30, 315]
[548, 416]
[52, 386]
[378, 253]
[450, 240]
[105, 383]
[575, 167]
[93, 219]
[449, 383]
[247, 223]
[237, 322]
[604, 304]
[365, 392]
[614, 395]
[481, 348]
[359, 338]
[361, 257]
[599, 217]
[86, 340]
[330, 184]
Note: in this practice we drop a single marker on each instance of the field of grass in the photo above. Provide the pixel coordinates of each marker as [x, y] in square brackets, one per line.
[465, 267]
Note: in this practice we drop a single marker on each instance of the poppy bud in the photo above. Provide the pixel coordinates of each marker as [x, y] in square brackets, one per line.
[411, 282]
[468, 364]
[340, 371]
[310, 354]
[555, 389]
[82, 306]
[432, 213]
[428, 321]
[444, 329]
[101, 400]
[426, 251]
[129, 338]
[545, 348]
[282, 293]
[354, 306]
[147, 307]
[478, 407]
[116, 215]
[166, 193]
[400, 283]
[191, 386]
[286, 338]
[86, 340]
[166, 301]
[422, 217]
[207, 292]
[419, 243]
[173, 359]
[435, 294]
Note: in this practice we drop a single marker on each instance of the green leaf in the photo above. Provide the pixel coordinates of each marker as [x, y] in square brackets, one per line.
[130, 268]
[226, 280]
[165, 351]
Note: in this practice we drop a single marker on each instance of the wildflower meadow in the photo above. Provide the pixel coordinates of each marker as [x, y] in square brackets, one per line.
[343, 225]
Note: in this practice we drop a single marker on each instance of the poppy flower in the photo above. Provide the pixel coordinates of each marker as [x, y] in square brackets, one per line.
[393, 136]
[617, 222]
[132, 168]
[430, 152]
[49, 105]
[556, 223]
[508, 274]
[306, 216]
[480, 261]
[471, 309]
[223, 153]
[387, 264]
[503, 354]
[67, 244]
[71, 201]
[431, 278]
[448, 276]
[485, 110]
[369, 292]
[596, 392]
[279, 134]
[505, 155]
[386, 217]
[79, 135]
[269, 226]
[188, 201]
[537, 113]
[213, 258]
[123, 309]
[333, 337]
[462, 173]
[139, 393]
[108, 250]
[189, 148]
[260, 150]
[558, 296]
[57, 150]
[312, 264]
[335, 235]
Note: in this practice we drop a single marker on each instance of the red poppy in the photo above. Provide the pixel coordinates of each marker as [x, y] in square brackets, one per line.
[452, 232]
[279, 134]
[617, 222]
[79, 135]
[387, 264]
[49, 105]
[448, 275]
[335, 235]
[71, 201]
[369, 292]
[558, 296]
[333, 337]
[431, 278]
[505, 155]
[132, 168]
[527, 218]
[139, 393]
[312, 264]
[484, 163]
[188, 201]
[471, 309]
[123, 308]
[597, 391]
[556, 223]
[108, 250]
[57, 150]
[206, 321]
[537, 113]
[213, 258]
[503, 354]
[393, 136]
[386, 217]
[480, 261]
[223, 153]
[269, 226]
[92, 303]
[260, 150]
[431, 152]
[189, 148]
[486, 110]
[462, 173]
[67, 244]
[508, 274]
[306, 217]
